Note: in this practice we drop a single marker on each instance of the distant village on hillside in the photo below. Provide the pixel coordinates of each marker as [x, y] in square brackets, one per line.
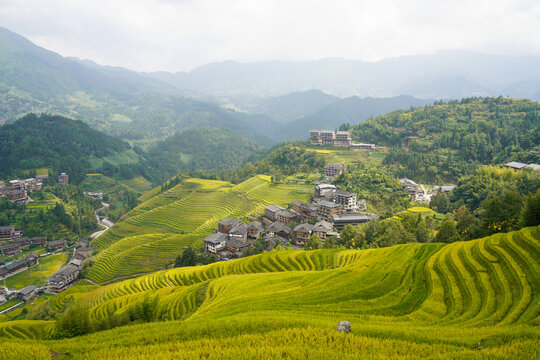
[17, 190]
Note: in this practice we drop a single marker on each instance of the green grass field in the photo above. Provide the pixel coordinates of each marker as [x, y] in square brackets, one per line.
[37, 275]
[466, 300]
[345, 156]
[157, 230]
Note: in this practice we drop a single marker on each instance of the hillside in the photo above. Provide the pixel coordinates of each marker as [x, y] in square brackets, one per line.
[152, 234]
[117, 101]
[448, 139]
[352, 110]
[59, 144]
[444, 74]
[477, 299]
[203, 149]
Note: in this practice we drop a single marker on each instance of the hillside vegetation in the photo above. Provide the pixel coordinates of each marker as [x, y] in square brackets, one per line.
[475, 299]
[60, 144]
[448, 140]
[154, 232]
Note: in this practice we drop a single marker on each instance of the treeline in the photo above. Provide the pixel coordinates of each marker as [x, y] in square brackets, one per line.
[209, 149]
[446, 140]
[382, 191]
[280, 162]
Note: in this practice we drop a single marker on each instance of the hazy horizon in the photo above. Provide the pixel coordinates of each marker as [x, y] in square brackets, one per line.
[163, 35]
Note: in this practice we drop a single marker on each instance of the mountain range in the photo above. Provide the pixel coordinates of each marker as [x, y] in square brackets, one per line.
[265, 102]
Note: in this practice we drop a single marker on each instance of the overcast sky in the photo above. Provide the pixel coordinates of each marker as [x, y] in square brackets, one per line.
[149, 35]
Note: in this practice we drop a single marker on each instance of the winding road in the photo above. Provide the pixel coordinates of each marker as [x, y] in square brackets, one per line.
[106, 223]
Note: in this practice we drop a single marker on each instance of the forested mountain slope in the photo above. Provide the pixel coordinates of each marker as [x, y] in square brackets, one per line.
[448, 139]
[61, 145]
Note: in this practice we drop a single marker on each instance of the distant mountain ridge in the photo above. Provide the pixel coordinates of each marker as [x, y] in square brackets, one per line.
[445, 74]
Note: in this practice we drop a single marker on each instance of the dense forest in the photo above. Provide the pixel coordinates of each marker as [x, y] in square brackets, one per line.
[204, 149]
[449, 139]
[54, 142]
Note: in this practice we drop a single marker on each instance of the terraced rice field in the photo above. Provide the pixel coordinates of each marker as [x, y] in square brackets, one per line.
[166, 223]
[478, 299]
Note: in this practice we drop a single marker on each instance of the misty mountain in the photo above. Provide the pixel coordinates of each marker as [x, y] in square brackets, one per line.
[352, 110]
[445, 74]
[118, 101]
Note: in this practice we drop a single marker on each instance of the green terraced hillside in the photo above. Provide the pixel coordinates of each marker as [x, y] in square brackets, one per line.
[153, 233]
[408, 301]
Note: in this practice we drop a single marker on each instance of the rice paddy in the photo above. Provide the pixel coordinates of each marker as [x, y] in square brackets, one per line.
[157, 230]
[476, 300]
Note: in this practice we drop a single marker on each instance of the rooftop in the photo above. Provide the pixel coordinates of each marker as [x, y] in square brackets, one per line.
[229, 222]
[351, 217]
[274, 208]
[216, 238]
[328, 204]
[344, 193]
[56, 242]
[27, 290]
[323, 226]
[286, 214]
[515, 165]
[254, 225]
[277, 226]
[237, 243]
[305, 227]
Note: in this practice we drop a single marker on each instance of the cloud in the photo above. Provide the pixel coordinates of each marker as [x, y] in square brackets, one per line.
[180, 35]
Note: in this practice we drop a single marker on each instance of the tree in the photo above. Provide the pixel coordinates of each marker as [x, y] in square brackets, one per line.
[501, 212]
[260, 245]
[447, 233]
[188, 258]
[422, 232]
[313, 243]
[531, 212]
[467, 224]
[395, 233]
[352, 237]
[440, 203]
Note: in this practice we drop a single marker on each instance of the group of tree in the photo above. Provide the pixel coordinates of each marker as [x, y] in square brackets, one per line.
[448, 139]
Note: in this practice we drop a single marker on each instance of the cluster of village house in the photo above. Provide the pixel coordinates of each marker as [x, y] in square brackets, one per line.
[336, 138]
[17, 190]
[330, 211]
[13, 243]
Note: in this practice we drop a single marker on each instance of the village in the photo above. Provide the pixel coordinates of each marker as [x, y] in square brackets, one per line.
[21, 254]
[17, 190]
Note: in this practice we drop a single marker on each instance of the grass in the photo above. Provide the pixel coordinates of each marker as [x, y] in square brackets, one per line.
[411, 301]
[37, 275]
[121, 118]
[157, 230]
[138, 184]
[345, 156]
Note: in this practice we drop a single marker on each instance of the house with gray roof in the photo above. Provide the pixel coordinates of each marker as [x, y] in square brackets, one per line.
[28, 292]
[63, 278]
[254, 229]
[239, 232]
[215, 242]
[322, 228]
[279, 229]
[271, 210]
[226, 225]
[302, 233]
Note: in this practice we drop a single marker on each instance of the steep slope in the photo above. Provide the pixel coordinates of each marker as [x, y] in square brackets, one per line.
[203, 149]
[152, 234]
[60, 144]
[476, 299]
[117, 101]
